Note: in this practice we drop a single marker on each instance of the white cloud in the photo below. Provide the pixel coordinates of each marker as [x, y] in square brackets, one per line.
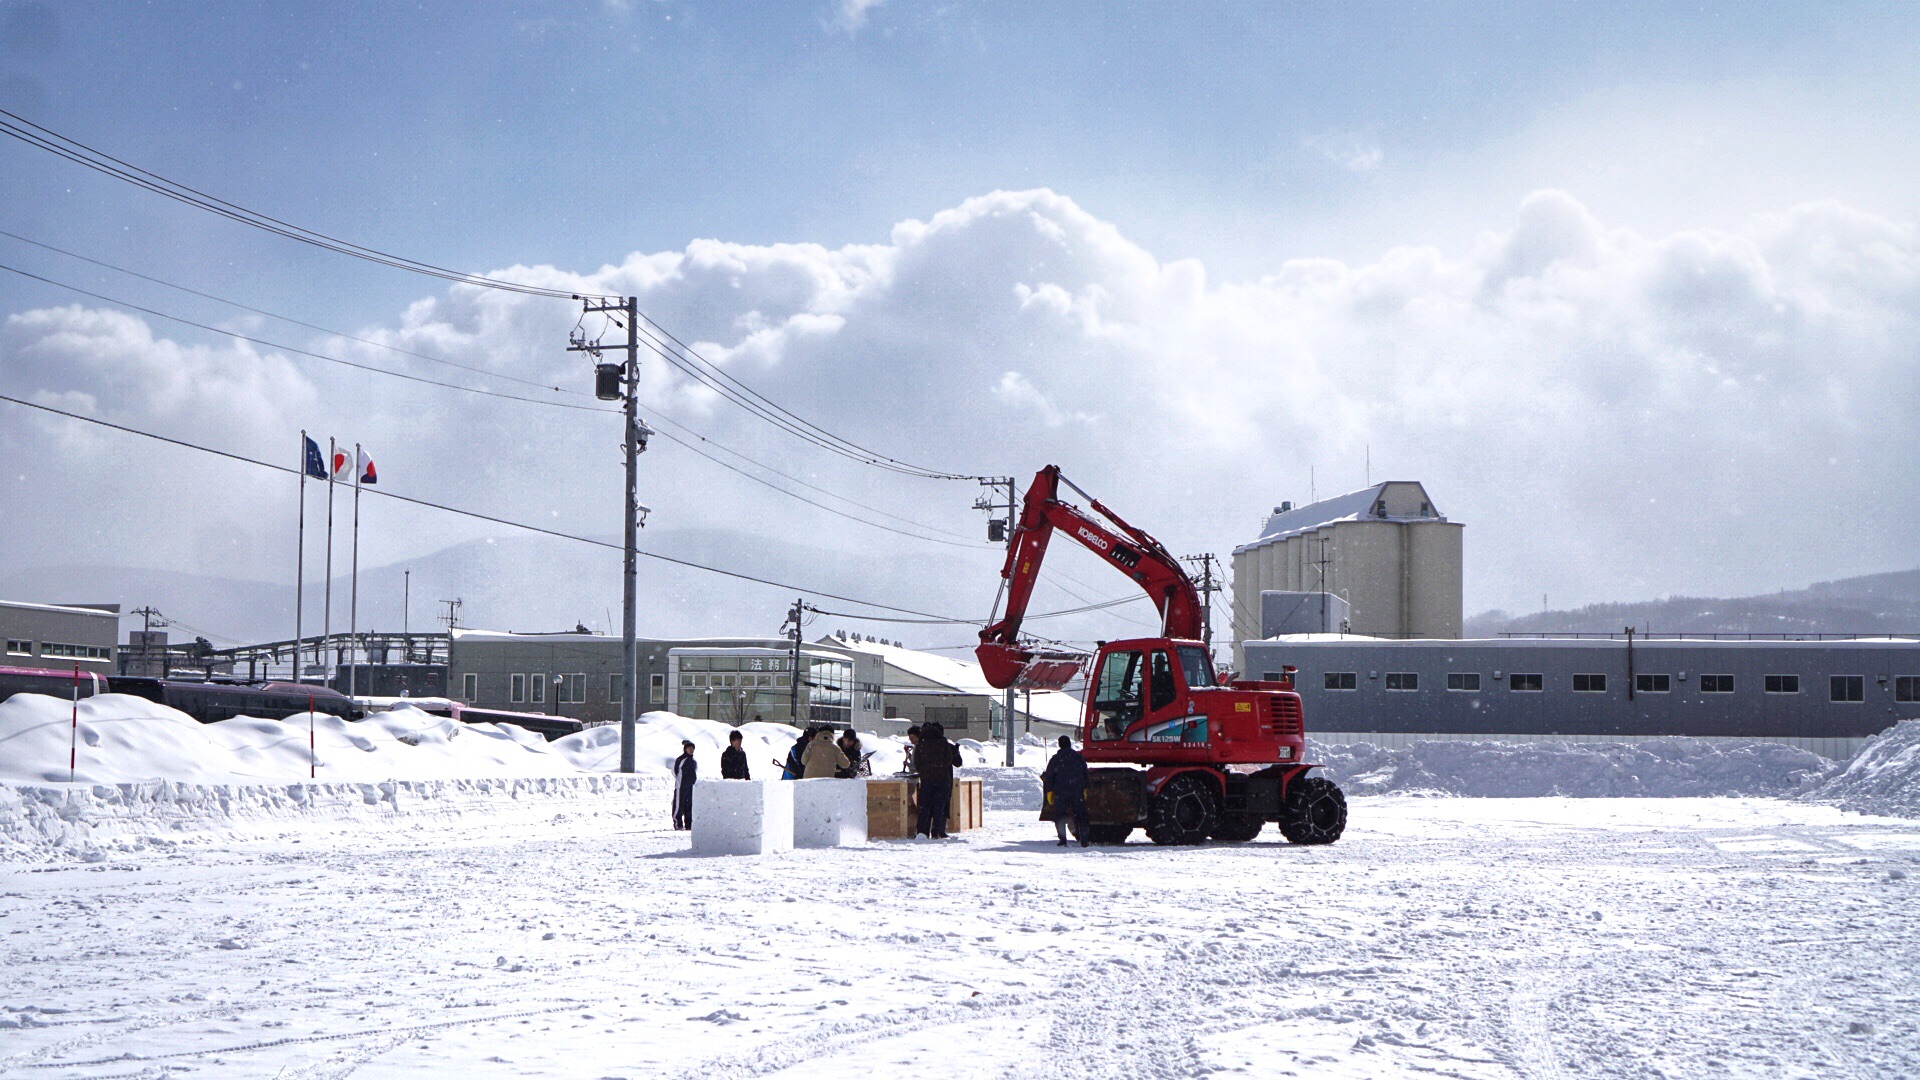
[1352, 152]
[1613, 414]
[851, 15]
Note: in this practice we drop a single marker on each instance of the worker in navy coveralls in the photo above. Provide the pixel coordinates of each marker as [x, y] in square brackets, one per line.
[685, 769]
[1066, 782]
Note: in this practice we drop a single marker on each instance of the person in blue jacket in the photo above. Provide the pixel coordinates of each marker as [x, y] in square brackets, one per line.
[685, 772]
[1066, 781]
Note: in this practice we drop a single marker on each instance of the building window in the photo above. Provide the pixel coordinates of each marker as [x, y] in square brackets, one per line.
[657, 688]
[74, 652]
[1906, 688]
[1589, 684]
[1403, 680]
[1464, 681]
[1524, 684]
[1783, 684]
[893, 712]
[1716, 684]
[470, 686]
[16, 647]
[570, 689]
[1653, 684]
[1847, 688]
[1342, 680]
[517, 688]
[538, 684]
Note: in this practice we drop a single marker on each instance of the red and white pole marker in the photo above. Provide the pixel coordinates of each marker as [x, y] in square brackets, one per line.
[73, 739]
[312, 766]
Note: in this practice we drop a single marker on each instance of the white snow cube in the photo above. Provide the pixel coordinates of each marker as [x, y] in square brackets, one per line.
[829, 813]
[742, 817]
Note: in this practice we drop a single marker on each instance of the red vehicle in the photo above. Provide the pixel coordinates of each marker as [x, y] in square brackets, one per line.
[1203, 760]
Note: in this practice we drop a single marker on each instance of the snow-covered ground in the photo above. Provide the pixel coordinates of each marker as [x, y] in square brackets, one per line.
[1442, 937]
[445, 898]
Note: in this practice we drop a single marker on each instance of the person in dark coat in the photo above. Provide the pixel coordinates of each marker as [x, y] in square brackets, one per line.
[796, 766]
[935, 758]
[1066, 781]
[913, 743]
[685, 771]
[850, 746]
[733, 760]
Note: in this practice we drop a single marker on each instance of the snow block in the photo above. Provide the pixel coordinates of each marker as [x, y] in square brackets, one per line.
[742, 817]
[829, 813]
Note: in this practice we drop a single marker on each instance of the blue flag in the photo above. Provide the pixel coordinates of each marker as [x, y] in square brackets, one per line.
[316, 465]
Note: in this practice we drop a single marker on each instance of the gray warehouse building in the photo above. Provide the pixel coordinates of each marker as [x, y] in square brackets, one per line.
[60, 635]
[733, 680]
[1386, 551]
[1826, 696]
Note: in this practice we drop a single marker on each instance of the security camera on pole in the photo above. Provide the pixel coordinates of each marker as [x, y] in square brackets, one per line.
[617, 382]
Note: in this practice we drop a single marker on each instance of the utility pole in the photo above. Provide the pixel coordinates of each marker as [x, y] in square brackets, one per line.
[1326, 616]
[148, 614]
[796, 619]
[1001, 529]
[621, 382]
[1205, 561]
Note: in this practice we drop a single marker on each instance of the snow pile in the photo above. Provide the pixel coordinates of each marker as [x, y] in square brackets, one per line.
[125, 739]
[97, 822]
[1652, 767]
[1002, 788]
[657, 737]
[1883, 778]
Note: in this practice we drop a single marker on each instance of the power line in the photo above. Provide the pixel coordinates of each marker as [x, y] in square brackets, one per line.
[485, 517]
[679, 353]
[19, 127]
[772, 411]
[294, 349]
[811, 502]
[286, 318]
[961, 541]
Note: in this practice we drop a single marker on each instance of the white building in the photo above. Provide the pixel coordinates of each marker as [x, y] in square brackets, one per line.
[924, 687]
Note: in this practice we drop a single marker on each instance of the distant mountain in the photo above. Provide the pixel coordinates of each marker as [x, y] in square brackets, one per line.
[1873, 604]
[539, 583]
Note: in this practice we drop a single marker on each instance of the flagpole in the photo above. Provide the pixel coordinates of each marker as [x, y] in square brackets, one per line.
[326, 609]
[353, 586]
[300, 564]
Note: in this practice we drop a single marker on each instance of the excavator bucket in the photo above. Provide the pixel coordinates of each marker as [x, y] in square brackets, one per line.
[1026, 669]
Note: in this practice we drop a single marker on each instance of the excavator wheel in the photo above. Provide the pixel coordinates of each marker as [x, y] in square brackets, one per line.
[1184, 812]
[1238, 828]
[1315, 812]
[1108, 834]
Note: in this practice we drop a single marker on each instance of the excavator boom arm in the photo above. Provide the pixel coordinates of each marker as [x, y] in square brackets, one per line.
[1126, 548]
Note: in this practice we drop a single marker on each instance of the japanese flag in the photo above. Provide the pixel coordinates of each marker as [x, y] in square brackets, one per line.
[339, 460]
[367, 474]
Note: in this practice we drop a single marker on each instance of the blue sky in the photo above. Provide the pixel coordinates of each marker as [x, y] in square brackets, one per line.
[571, 133]
[1564, 262]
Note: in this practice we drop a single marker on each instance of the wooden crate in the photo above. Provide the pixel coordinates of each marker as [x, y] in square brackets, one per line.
[965, 811]
[894, 805]
[890, 809]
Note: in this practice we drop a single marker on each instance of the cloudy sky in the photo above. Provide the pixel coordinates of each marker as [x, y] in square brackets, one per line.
[1635, 291]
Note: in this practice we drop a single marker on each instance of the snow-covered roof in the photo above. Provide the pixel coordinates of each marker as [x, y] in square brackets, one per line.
[1390, 500]
[107, 611]
[964, 677]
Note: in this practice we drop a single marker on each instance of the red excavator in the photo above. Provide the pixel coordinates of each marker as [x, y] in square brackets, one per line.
[1192, 760]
